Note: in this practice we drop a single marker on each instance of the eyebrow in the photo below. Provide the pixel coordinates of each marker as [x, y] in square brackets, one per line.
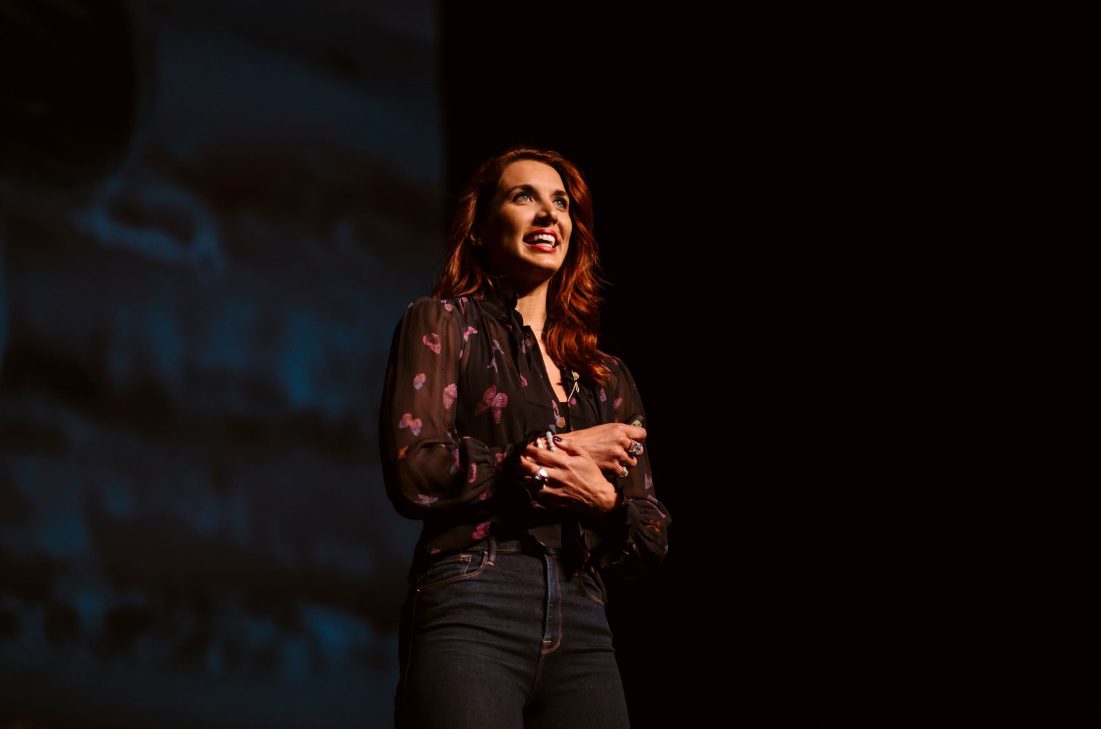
[532, 189]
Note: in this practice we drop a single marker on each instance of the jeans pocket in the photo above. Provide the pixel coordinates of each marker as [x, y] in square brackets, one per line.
[593, 586]
[453, 568]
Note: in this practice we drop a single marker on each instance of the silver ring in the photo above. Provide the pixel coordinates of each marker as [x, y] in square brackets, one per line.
[541, 474]
[636, 448]
[624, 472]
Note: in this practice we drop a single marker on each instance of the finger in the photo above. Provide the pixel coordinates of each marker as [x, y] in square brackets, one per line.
[567, 446]
[550, 460]
[545, 483]
[531, 465]
[559, 458]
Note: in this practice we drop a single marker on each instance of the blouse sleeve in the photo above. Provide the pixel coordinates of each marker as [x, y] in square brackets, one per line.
[428, 467]
[642, 522]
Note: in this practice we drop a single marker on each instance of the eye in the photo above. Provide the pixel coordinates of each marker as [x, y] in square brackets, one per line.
[565, 201]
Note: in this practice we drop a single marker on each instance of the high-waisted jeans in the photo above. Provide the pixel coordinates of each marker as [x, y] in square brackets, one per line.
[499, 636]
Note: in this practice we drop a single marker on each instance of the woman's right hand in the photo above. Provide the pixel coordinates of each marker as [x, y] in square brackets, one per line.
[607, 445]
[573, 480]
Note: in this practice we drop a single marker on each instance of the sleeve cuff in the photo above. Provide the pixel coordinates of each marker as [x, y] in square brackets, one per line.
[643, 538]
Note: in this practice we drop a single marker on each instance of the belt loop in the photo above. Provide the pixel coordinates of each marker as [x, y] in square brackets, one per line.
[492, 549]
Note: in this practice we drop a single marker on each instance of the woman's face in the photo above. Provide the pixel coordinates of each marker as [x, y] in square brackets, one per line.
[530, 199]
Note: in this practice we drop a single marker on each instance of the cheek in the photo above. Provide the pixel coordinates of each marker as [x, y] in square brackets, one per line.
[514, 228]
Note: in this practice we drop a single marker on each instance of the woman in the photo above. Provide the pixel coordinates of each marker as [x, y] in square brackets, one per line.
[519, 445]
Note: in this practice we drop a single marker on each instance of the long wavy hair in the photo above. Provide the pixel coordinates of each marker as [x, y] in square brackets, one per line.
[573, 294]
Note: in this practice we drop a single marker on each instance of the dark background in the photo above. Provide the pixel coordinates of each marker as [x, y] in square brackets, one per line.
[213, 215]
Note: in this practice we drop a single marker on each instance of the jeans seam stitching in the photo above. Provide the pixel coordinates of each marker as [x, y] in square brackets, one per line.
[599, 600]
[456, 578]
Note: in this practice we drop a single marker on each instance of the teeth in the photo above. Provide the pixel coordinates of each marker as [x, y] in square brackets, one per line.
[542, 238]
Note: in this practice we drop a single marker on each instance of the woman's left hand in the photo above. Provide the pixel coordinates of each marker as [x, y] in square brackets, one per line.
[609, 445]
[574, 481]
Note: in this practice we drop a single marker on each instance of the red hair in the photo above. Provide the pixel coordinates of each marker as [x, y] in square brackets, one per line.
[573, 295]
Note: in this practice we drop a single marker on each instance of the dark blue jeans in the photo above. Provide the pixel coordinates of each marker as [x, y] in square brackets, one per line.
[500, 637]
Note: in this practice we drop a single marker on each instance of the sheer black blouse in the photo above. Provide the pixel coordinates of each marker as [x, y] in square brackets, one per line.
[466, 390]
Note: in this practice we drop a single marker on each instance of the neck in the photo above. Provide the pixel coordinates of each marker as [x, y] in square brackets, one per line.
[531, 302]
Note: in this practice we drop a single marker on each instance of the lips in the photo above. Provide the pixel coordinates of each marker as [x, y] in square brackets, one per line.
[542, 245]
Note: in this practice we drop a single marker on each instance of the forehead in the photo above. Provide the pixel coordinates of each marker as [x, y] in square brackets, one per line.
[530, 172]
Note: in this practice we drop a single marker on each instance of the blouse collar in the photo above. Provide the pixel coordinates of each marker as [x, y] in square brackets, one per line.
[500, 297]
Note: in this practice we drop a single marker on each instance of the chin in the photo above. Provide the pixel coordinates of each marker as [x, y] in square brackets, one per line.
[537, 273]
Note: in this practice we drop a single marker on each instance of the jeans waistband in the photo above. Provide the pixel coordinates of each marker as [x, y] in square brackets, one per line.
[525, 544]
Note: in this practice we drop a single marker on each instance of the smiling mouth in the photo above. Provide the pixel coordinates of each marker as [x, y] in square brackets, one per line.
[542, 242]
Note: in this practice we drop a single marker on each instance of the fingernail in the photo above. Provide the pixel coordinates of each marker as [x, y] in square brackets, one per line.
[557, 439]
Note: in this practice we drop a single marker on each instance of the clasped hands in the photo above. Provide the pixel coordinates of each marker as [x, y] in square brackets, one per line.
[576, 469]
